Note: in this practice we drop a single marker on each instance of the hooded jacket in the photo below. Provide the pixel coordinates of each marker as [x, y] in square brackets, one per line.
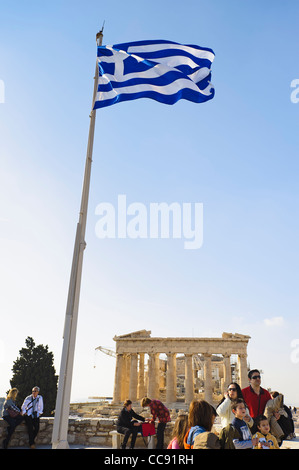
[268, 438]
[271, 406]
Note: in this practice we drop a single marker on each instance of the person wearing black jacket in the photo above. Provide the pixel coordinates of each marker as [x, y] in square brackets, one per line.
[127, 425]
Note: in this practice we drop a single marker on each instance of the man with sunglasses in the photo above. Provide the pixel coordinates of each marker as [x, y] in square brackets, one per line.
[255, 396]
[32, 408]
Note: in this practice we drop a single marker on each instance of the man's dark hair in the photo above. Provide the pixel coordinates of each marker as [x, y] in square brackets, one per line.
[251, 372]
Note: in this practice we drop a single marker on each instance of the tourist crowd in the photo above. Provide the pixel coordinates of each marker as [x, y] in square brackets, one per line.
[251, 418]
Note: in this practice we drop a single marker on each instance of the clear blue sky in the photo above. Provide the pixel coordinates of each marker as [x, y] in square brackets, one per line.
[237, 154]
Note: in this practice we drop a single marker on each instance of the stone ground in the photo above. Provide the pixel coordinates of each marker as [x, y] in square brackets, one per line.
[292, 444]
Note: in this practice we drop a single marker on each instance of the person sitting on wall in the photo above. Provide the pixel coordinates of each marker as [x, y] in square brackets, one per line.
[127, 424]
[284, 417]
[11, 414]
[32, 409]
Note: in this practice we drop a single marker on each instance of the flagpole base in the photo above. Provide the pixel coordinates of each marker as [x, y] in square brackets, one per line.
[60, 445]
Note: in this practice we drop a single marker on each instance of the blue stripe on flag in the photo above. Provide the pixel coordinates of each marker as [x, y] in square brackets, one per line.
[161, 70]
[184, 93]
[167, 78]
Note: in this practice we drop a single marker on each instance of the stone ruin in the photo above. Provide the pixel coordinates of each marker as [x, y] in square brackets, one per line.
[174, 370]
[178, 369]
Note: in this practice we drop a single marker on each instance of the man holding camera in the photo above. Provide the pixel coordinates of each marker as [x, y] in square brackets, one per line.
[32, 408]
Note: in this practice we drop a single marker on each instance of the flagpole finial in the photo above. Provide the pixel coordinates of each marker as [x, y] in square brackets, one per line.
[99, 36]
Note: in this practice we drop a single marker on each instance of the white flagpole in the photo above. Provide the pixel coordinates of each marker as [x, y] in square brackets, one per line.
[60, 428]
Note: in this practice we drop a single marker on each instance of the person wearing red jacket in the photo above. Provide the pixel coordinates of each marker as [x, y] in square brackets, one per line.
[255, 396]
[158, 410]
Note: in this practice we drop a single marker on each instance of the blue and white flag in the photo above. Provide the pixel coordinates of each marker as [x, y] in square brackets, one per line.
[161, 70]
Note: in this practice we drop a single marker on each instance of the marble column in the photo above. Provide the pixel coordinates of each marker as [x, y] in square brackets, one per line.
[151, 376]
[126, 377]
[208, 378]
[157, 375]
[243, 371]
[133, 378]
[146, 374]
[117, 394]
[189, 389]
[141, 384]
[171, 378]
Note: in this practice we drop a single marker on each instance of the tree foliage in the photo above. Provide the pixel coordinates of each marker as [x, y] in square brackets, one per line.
[35, 366]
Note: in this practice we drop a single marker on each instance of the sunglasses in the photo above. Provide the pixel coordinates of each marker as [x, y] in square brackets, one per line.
[231, 389]
[256, 377]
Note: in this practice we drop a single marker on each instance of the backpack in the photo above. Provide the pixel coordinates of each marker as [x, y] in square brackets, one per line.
[227, 435]
[186, 445]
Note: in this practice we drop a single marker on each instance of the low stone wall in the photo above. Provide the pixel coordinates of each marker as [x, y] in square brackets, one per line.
[20, 435]
[88, 432]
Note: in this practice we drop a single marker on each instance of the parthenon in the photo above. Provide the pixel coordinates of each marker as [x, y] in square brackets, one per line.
[197, 364]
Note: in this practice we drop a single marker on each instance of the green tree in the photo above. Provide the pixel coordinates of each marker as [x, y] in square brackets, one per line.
[33, 367]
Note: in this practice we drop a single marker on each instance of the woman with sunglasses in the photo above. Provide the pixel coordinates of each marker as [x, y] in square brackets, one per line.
[224, 407]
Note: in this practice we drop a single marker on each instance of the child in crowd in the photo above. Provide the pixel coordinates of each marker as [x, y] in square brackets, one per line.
[265, 439]
[179, 431]
[237, 435]
[200, 422]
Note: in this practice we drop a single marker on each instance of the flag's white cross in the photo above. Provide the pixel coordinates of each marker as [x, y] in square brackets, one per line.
[118, 59]
[119, 64]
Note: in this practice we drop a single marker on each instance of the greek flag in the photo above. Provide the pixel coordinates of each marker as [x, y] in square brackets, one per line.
[164, 71]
